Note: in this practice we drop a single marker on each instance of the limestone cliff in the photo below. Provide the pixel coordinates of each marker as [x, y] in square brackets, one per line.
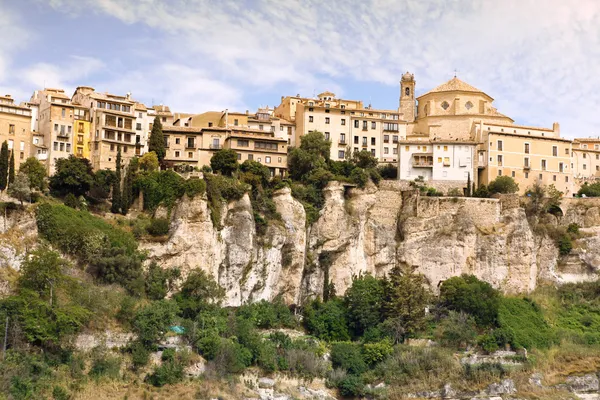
[372, 230]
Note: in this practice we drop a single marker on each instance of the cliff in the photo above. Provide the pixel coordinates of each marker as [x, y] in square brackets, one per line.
[372, 230]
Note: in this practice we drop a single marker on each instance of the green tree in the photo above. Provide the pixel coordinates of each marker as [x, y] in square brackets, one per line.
[128, 192]
[152, 321]
[11, 168]
[457, 330]
[160, 281]
[364, 159]
[407, 295]
[116, 194]
[4, 166]
[468, 294]
[73, 175]
[588, 190]
[503, 184]
[156, 142]
[149, 162]
[364, 301]
[327, 320]
[542, 199]
[20, 189]
[198, 292]
[315, 143]
[225, 162]
[312, 154]
[36, 172]
[388, 171]
[104, 180]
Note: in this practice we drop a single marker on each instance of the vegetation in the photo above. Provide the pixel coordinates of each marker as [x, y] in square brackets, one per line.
[36, 172]
[156, 141]
[20, 189]
[116, 191]
[73, 175]
[589, 190]
[4, 166]
[224, 161]
[11, 168]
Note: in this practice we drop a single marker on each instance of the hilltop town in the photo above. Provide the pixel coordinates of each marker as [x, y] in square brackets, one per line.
[452, 134]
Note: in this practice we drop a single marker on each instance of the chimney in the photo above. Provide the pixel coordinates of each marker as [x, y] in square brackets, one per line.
[556, 127]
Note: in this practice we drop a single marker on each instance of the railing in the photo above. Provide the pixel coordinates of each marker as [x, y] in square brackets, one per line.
[62, 134]
[342, 142]
[42, 157]
[426, 164]
[527, 167]
[215, 146]
[190, 145]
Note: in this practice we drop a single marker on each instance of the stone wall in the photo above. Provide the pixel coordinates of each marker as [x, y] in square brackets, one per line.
[442, 186]
[481, 211]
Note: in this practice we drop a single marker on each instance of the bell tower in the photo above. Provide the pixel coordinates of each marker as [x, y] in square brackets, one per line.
[407, 97]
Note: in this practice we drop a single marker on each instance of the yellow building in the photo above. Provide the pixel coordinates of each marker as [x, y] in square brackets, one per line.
[15, 128]
[82, 127]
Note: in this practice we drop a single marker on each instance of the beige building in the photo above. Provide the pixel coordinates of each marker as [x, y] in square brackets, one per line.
[15, 128]
[112, 128]
[183, 145]
[585, 160]
[56, 124]
[458, 112]
[348, 124]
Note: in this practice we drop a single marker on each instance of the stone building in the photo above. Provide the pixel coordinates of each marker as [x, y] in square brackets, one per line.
[15, 128]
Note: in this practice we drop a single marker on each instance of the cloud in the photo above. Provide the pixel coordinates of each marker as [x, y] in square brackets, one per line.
[537, 57]
[67, 75]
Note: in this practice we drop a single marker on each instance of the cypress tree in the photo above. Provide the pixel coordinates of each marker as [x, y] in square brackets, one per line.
[4, 166]
[128, 185]
[156, 143]
[468, 194]
[116, 197]
[11, 168]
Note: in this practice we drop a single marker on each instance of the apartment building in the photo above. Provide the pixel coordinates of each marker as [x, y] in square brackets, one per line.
[56, 121]
[585, 160]
[142, 129]
[163, 112]
[346, 123]
[112, 124]
[82, 129]
[15, 128]
[182, 145]
[439, 160]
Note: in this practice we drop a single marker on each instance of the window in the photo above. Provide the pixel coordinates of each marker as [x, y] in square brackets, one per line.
[499, 172]
[373, 125]
[356, 149]
[342, 138]
[236, 122]
[372, 141]
[327, 111]
[526, 162]
[176, 154]
[567, 151]
[543, 165]
[112, 147]
[406, 148]
[326, 120]
[566, 179]
[326, 135]
[554, 151]
[55, 146]
[513, 174]
[311, 109]
[63, 112]
[386, 150]
[138, 126]
[341, 154]
[499, 145]
[373, 152]
[468, 105]
[526, 175]
[250, 157]
[281, 128]
[261, 127]
[11, 129]
[395, 138]
[445, 105]
[327, 105]
[561, 167]
[395, 150]
[364, 125]
[526, 148]
[265, 145]
[310, 118]
[243, 143]
[343, 106]
[597, 156]
[55, 127]
[500, 160]
[177, 141]
[407, 91]
[190, 143]
[343, 121]
[541, 177]
[446, 161]
[355, 139]
[584, 166]
[68, 147]
[278, 159]
[389, 126]
[445, 148]
[364, 141]
[239, 156]
[386, 138]
[356, 123]
[164, 119]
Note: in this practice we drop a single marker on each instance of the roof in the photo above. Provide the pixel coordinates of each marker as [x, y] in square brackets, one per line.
[326, 93]
[181, 129]
[140, 107]
[454, 85]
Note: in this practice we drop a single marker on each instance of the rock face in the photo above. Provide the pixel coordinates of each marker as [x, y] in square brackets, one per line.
[373, 230]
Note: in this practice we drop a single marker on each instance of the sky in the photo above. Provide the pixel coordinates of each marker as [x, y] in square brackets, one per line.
[540, 59]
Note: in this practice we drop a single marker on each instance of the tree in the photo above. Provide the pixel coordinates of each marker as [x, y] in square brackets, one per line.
[327, 320]
[20, 189]
[224, 161]
[468, 194]
[468, 294]
[457, 330]
[73, 175]
[149, 162]
[198, 292]
[588, 190]
[104, 180]
[364, 301]
[128, 192]
[153, 321]
[4, 166]
[407, 295]
[156, 142]
[315, 143]
[364, 159]
[116, 195]
[388, 171]
[160, 281]
[503, 184]
[11, 168]
[312, 154]
[43, 273]
[36, 172]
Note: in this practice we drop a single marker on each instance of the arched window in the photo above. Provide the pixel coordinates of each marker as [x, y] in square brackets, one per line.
[426, 109]
[407, 91]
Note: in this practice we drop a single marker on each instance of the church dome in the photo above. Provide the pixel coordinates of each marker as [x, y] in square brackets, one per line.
[408, 77]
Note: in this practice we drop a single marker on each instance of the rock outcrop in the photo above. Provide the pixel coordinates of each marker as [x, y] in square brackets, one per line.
[372, 230]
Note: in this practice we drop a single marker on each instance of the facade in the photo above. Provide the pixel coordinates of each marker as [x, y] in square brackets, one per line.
[82, 129]
[56, 120]
[142, 129]
[585, 160]
[182, 145]
[112, 124]
[15, 128]
[347, 124]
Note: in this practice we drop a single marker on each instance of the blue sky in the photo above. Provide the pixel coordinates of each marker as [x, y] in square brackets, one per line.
[539, 59]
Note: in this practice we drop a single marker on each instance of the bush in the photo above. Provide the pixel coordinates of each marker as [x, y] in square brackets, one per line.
[525, 322]
[218, 189]
[71, 201]
[160, 188]
[267, 315]
[194, 187]
[457, 330]
[105, 366]
[565, 244]
[224, 161]
[388, 171]
[573, 229]
[327, 320]
[73, 175]
[360, 177]
[232, 357]
[348, 356]
[168, 373]
[503, 184]
[153, 321]
[159, 227]
[468, 294]
[139, 354]
[351, 386]
[588, 190]
[374, 353]
[364, 301]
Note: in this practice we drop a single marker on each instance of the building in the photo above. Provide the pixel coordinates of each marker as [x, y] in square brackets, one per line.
[439, 160]
[15, 128]
[183, 145]
[585, 160]
[112, 124]
[56, 119]
[456, 112]
[348, 124]
[83, 131]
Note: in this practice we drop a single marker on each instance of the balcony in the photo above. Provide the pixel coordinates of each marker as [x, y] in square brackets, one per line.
[189, 145]
[42, 157]
[526, 167]
[422, 161]
[62, 134]
[342, 142]
[215, 146]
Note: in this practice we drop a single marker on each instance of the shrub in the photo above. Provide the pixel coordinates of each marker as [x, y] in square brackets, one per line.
[232, 357]
[524, 319]
[158, 227]
[457, 330]
[198, 293]
[153, 321]
[139, 354]
[481, 192]
[209, 346]
[266, 315]
[36, 172]
[73, 175]
[573, 229]
[224, 161]
[105, 366]
[160, 188]
[588, 190]
[360, 177]
[455, 192]
[503, 184]
[468, 294]
[348, 356]
[71, 201]
[168, 373]
[364, 301]
[352, 386]
[377, 352]
[149, 162]
[388, 171]
[565, 244]
[159, 281]
[60, 393]
[194, 187]
[327, 320]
